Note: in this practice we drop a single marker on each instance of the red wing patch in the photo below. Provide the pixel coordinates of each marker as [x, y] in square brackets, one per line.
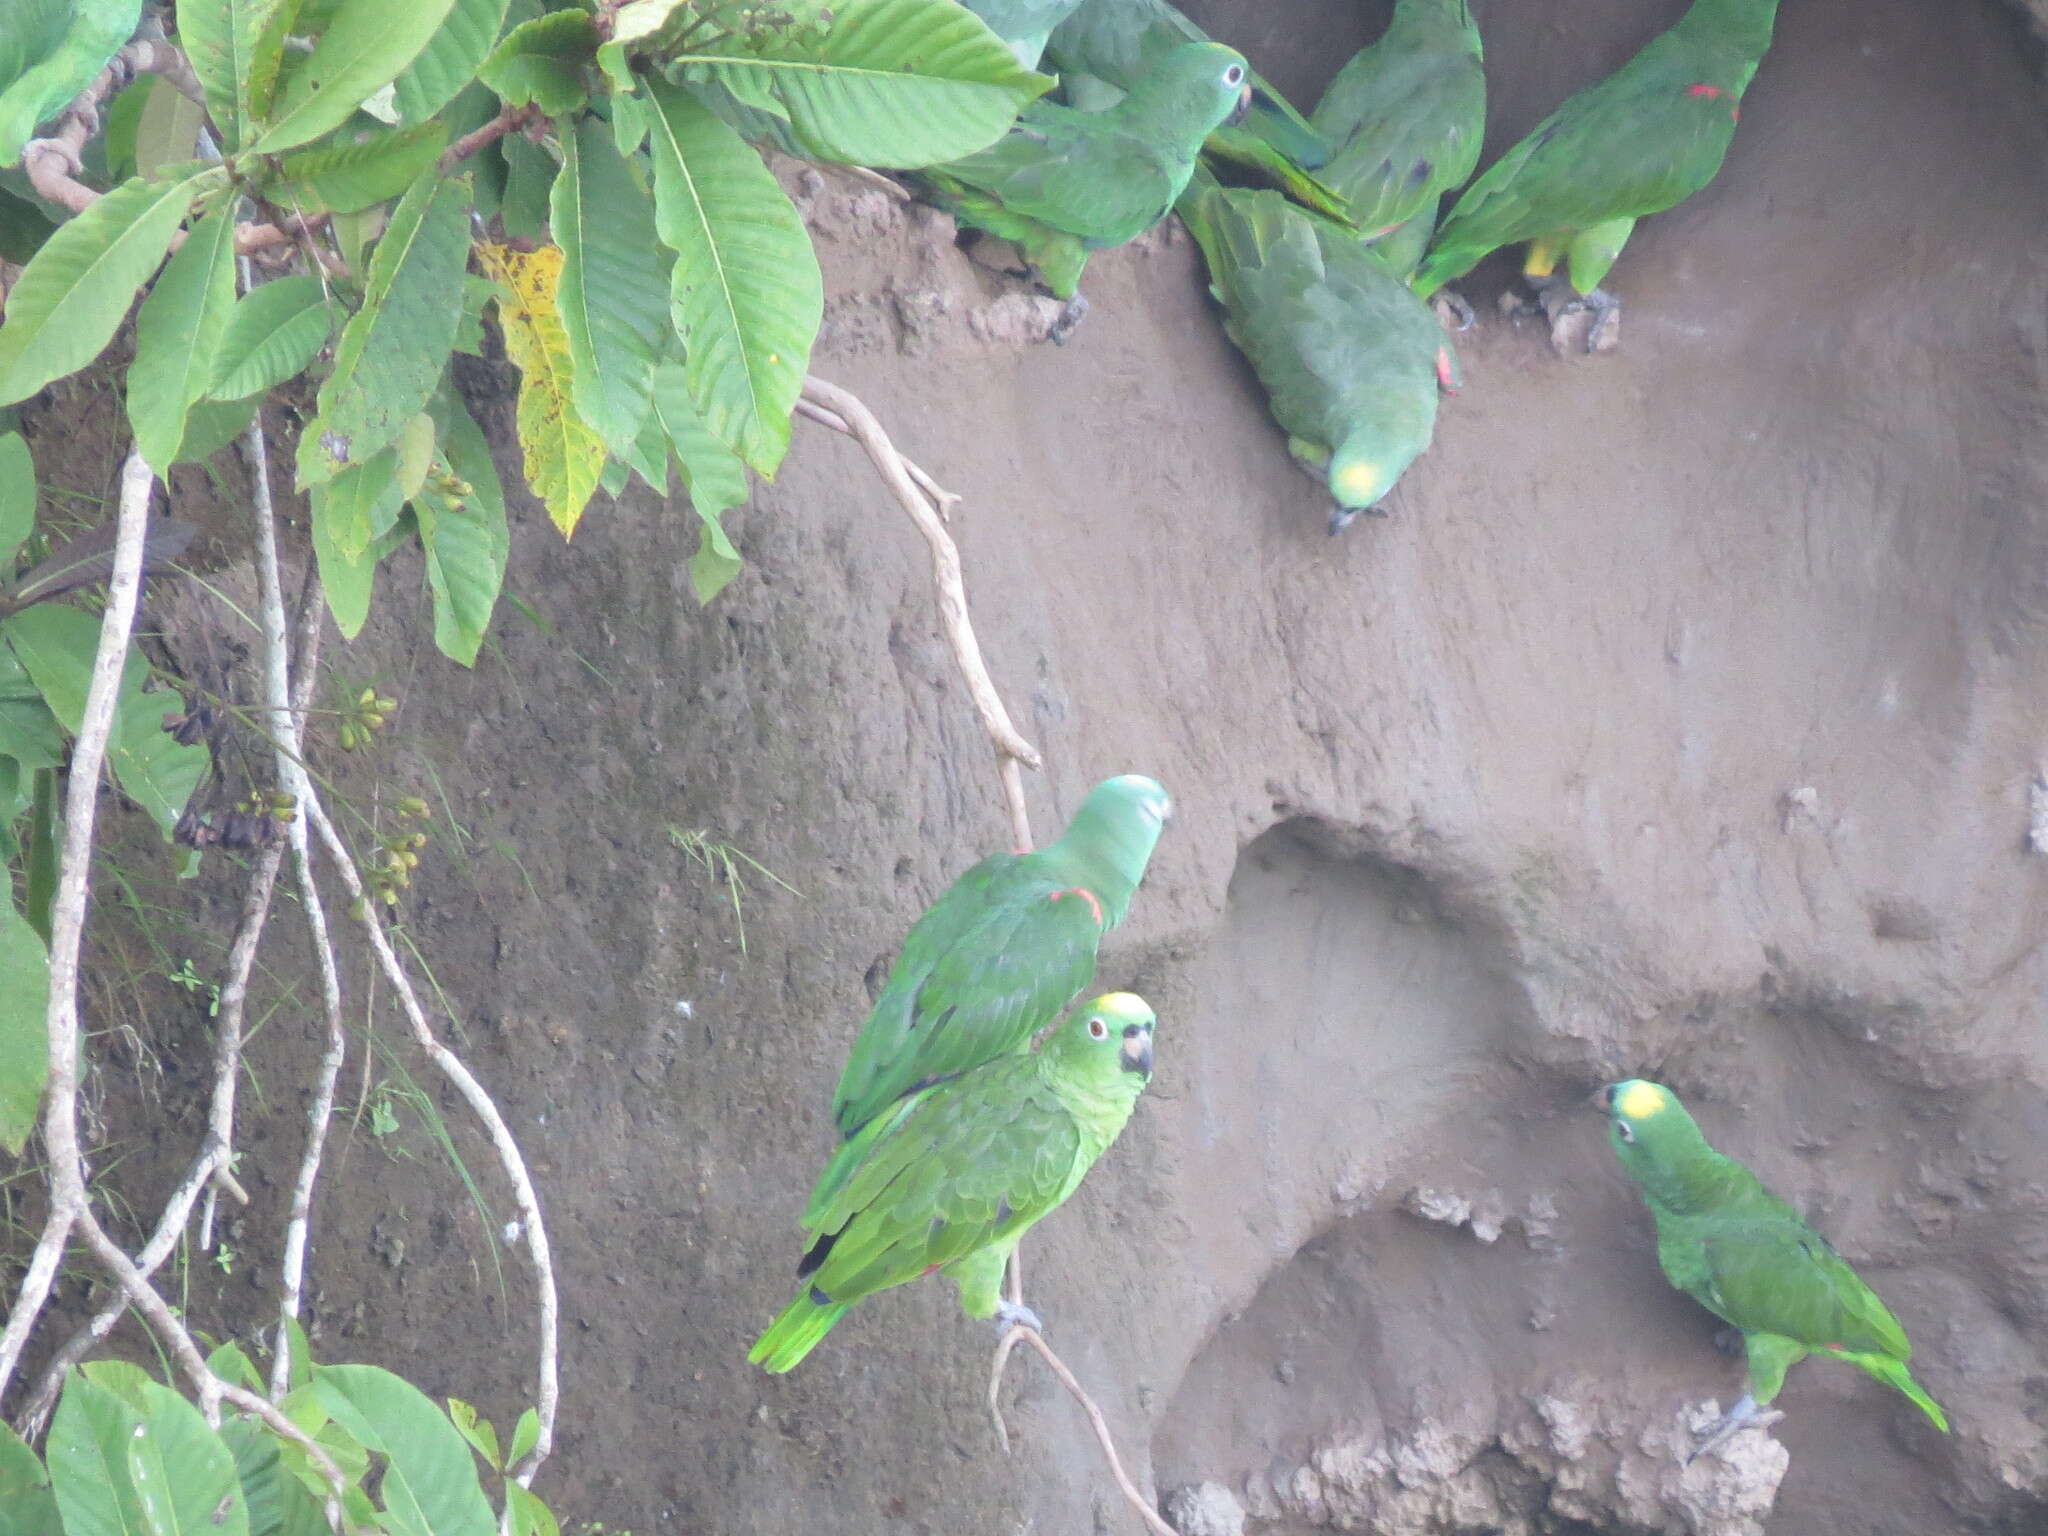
[1086, 895]
[1711, 92]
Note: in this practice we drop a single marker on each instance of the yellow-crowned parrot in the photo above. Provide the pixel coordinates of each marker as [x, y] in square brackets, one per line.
[951, 1176]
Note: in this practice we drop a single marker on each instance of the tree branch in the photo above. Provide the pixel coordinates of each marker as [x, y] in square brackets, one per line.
[508, 120]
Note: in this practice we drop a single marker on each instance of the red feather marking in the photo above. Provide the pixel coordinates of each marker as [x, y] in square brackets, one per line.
[929, 1269]
[1087, 896]
[1711, 92]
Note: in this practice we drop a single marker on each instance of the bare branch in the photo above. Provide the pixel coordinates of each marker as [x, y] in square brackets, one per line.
[925, 503]
[227, 1041]
[67, 914]
[548, 1386]
[508, 120]
[1019, 1334]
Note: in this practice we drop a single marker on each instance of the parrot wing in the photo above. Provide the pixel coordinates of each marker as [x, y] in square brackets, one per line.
[949, 1171]
[1072, 171]
[1767, 1271]
[969, 990]
[1405, 129]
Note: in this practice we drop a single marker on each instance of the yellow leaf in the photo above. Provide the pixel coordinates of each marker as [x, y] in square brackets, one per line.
[563, 456]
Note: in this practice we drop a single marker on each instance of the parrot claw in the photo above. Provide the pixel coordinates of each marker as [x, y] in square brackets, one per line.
[1743, 1415]
[1014, 1314]
[1069, 318]
[1453, 312]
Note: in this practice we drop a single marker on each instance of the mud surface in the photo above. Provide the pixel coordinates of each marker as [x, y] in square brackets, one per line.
[1680, 720]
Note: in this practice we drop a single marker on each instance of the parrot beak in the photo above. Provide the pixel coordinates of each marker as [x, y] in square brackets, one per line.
[1136, 1055]
[1340, 519]
[1603, 1098]
[1244, 105]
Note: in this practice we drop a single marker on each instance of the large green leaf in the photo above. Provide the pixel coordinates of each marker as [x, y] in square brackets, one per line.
[17, 493]
[232, 45]
[24, 228]
[167, 128]
[182, 1473]
[715, 479]
[48, 54]
[88, 1458]
[344, 178]
[273, 333]
[24, 1054]
[349, 513]
[393, 350]
[71, 298]
[541, 62]
[29, 732]
[56, 644]
[365, 47]
[430, 1483]
[27, 1507]
[152, 767]
[215, 423]
[465, 538]
[177, 338]
[612, 298]
[746, 295]
[872, 82]
[450, 59]
[279, 1505]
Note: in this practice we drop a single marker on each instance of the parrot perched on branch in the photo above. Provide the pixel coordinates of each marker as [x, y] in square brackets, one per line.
[1404, 119]
[951, 1176]
[1351, 359]
[996, 958]
[1750, 1259]
[1064, 183]
[1106, 45]
[1642, 140]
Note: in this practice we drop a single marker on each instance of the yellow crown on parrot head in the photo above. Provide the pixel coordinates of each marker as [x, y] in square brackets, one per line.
[1120, 1002]
[1640, 1100]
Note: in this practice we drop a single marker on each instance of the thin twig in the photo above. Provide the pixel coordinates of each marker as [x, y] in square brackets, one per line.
[924, 509]
[227, 1042]
[548, 1386]
[1017, 1334]
[67, 913]
[943, 500]
[508, 120]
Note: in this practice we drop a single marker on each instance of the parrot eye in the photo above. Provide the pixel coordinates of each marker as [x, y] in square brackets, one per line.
[1234, 75]
[1624, 1130]
[1097, 1030]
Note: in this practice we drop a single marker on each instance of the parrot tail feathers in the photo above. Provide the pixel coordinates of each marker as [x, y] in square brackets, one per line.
[1894, 1374]
[795, 1333]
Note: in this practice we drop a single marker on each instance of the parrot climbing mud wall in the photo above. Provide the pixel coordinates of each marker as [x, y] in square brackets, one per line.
[950, 1177]
[1750, 1259]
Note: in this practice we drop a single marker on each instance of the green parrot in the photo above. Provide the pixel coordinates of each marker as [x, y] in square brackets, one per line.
[951, 1176]
[1351, 359]
[1750, 1259]
[1404, 120]
[996, 958]
[1645, 138]
[1064, 183]
[50, 50]
[1023, 24]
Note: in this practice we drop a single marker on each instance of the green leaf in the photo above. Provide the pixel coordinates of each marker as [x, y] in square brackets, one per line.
[17, 493]
[530, 173]
[178, 334]
[393, 350]
[365, 48]
[478, 1432]
[48, 54]
[430, 1485]
[119, 121]
[874, 82]
[746, 295]
[525, 1436]
[183, 1475]
[230, 1362]
[272, 334]
[24, 228]
[234, 46]
[88, 1458]
[24, 1055]
[530, 1517]
[167, 132]
[213, 424]
[299, 1377]
[349, 512]
[151, 766]
[27, 1507]
[541, 62]
[345, 178]
[449, 61]
[56, 645]
[716, 480]
[613, 300]
[465, 540]
[71, 298]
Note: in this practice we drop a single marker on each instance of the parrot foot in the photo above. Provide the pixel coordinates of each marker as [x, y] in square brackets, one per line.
[1341, 517]
[1014, 1314]
[1452, 312]
[1743, 1415]
[1590, 322]
[1070, 317]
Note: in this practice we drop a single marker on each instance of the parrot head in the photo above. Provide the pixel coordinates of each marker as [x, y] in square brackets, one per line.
[1197, 87]
[1116, 830]
[1108, 1040]
[1376, 453]
[1650, 1130]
